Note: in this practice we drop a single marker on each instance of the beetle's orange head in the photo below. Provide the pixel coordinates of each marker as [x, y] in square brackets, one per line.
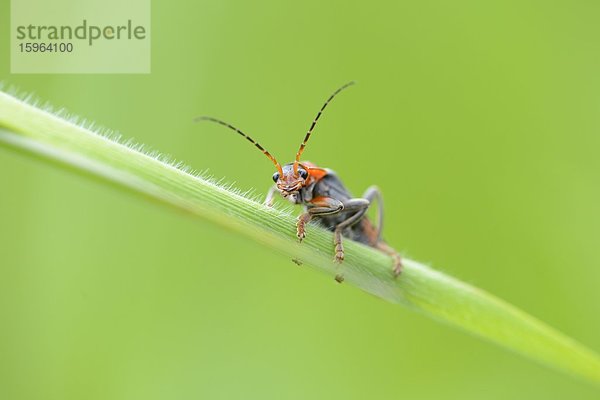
[291, 180]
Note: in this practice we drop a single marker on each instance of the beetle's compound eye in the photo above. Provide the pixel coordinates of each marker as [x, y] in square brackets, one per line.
[275, 176]
[303, 174]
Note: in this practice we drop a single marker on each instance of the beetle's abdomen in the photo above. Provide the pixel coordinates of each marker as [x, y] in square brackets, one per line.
[363, 231]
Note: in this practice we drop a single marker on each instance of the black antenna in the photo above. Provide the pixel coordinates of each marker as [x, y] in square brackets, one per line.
[303, 144]
[255, 143]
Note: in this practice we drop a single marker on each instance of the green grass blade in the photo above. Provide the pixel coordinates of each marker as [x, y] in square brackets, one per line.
[49, 136]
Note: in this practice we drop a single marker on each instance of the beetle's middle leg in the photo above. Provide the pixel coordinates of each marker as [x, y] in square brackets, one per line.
[360, 206]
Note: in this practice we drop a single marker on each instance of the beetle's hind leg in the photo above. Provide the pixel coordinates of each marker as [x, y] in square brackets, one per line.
[383, 246]
[374, 194]
[371, 194]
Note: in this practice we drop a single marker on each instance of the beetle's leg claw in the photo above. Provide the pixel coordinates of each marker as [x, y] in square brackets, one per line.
[300, 226]
[300, 233]
[339, 247]
[397, 266]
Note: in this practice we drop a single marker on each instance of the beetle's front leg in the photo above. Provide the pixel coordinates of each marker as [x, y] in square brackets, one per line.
[270, 196]
[319, 206]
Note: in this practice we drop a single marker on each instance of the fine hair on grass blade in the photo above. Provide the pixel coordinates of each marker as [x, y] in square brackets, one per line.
[57, 138]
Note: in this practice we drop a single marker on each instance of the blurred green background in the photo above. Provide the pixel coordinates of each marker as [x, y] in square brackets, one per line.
[479, 121]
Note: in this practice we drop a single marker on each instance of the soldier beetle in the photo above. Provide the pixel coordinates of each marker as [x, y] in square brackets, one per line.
[325, 198]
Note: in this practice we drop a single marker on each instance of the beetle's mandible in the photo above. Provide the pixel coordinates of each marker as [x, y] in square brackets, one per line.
[325, 198]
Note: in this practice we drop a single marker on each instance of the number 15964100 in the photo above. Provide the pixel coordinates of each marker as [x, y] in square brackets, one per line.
[46, 47]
